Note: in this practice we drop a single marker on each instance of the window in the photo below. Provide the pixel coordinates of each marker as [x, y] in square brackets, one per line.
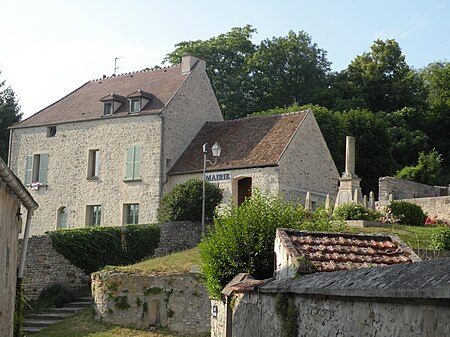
[133, 165]
[131, 212]
[62, 218]
[135, 105]
[107, 108]
[51, 131]
[36, 169]
[94, 215]
[93, 164]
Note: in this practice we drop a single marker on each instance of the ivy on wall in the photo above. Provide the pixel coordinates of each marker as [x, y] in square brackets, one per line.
[93, 248]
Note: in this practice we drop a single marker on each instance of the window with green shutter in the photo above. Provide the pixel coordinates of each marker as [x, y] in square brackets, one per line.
[133, 164]
[36, 170]
[29, 170]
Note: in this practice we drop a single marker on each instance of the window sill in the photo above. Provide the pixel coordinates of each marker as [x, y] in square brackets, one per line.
[131, 180]
[92, 178]
[36, 186]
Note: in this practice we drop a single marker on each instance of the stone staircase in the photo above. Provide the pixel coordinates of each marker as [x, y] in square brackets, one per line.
[36, 322]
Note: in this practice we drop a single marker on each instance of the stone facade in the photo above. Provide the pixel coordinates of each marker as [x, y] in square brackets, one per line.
[405, 189]
[45, 267]
[9, 232]
[176, 301]
[162, 138]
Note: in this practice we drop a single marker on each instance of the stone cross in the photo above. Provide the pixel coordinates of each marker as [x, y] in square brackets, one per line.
[349, 156]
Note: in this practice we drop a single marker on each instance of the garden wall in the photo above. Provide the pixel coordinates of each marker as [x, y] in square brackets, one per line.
[178, 301]
[45, 267]
[404, 189]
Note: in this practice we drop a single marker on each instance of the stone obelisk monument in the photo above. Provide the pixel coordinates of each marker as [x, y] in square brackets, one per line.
[349, 188]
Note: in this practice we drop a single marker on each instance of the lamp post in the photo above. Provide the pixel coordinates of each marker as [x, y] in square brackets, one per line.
[215, 149]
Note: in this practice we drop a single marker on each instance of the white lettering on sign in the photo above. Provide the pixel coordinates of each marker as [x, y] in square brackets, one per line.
[220, 176]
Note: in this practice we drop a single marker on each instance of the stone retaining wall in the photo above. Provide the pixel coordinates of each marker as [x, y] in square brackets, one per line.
[177, 301]
[45, 267]
[403, 189]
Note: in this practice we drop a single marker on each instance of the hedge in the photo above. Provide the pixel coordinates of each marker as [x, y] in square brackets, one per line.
[93, 248]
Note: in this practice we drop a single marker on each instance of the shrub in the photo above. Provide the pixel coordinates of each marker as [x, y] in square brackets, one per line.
[93, 248]
[184, 202]
[243, 238]
[354, 211]
[440, 239]
[409, 214]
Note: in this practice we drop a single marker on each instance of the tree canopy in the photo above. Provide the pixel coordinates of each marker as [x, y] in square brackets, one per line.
[9, 114]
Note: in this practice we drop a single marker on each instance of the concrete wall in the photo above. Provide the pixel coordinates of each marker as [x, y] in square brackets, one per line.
[405, 189]
[68, 165]
[307, 165]
[180, 301]
[9, 232]
[255, 315]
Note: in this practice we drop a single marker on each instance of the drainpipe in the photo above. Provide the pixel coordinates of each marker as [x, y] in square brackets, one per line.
[163, 175]
[25, 244]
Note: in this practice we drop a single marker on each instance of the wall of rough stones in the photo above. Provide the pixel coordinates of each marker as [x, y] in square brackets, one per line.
[255, 315]
[405, 189]
[178, 301]
[45, 267]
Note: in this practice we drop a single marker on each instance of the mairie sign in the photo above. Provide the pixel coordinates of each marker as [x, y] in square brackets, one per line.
[219, 176]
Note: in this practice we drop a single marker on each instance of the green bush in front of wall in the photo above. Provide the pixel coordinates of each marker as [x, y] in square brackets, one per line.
[440, 239]
[352, 211]
[93, 248]
[409, 214]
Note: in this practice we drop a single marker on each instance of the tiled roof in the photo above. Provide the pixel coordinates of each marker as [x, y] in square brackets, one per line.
[330, 251]
[84, 103]
[247, 142]
[424, 279]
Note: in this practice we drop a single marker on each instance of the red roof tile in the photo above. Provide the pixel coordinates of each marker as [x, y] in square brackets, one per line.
[84, 103]
[247, 142]
[330, 251]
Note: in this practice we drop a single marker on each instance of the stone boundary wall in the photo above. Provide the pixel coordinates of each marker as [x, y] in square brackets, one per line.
[177, 301]
[439, 206]
[405, 189]
[45, 267]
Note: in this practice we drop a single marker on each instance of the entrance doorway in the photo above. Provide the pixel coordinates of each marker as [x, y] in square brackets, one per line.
[244, 189]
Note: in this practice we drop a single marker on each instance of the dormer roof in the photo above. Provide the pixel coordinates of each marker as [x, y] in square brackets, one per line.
[113, 97]
[140, 93]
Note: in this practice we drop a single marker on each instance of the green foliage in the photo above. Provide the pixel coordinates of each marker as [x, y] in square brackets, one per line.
[121, 302]
[93, 248]
[19, 310]
[409, 214]
[440, 239]
[427, 171]
[243, 238]
[287, 314]
[353, 211]
[152, 291]
[184, 202]
[54, 296]
[9, 115]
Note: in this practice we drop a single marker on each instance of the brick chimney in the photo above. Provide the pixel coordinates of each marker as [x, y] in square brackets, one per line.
[188, 62]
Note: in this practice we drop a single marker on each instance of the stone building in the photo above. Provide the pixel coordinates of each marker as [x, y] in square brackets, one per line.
[100, 155]
[284, 154]
[13, 194]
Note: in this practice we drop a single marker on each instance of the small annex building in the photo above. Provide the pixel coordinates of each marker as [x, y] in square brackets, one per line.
[330, 283]
[284, 154]
[13, 195]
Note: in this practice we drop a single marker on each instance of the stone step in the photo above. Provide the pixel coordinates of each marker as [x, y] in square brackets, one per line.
[48, 315]
[30, 330]
[39, 322]
[85, 299]
[67, 310]
[78, 304]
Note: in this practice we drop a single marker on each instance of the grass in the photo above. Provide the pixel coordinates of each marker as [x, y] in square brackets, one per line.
[83, 324]
[414, 237]
[180, 262]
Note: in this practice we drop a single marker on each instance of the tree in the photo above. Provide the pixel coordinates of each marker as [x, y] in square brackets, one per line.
[288, 70]
[226, 58]
[383, 79]
[9, 115]
[427, 171]
[184, 202]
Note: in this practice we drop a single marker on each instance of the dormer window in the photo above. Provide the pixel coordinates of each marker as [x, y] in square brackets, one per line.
[135, 105]
[138, 101]
[107, 108]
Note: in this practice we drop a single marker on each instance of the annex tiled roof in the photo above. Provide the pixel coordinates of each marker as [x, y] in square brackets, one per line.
[84, 103]
[246, 142]
[331, 251]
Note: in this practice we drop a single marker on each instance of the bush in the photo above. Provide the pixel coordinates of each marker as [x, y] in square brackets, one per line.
[243, 238]
[93, 248]
[354, 211]
[409, 214]
[440, 239]
[184, 202]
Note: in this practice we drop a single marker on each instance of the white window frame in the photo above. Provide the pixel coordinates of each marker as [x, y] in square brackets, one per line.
[133, 108]
[94, 215]
[93, 164]
[131, 211]
[108, 111]
[62, 215]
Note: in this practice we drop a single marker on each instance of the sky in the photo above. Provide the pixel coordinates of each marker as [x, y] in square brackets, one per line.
[51, 47]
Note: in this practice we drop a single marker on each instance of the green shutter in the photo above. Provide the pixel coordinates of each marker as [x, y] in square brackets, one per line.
[43, 168]
[137, 162]
[29, 170]
[129, 164]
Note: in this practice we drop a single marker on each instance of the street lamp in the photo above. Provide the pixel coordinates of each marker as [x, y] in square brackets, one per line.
[215, 149]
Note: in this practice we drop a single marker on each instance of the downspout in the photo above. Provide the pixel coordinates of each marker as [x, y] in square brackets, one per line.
[9, 146]
[163, 175]
[25, 245]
